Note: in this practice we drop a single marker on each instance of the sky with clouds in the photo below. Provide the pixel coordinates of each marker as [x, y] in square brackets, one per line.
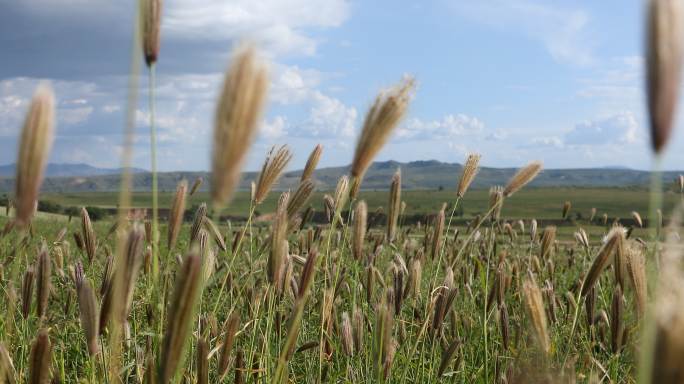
[514, 80]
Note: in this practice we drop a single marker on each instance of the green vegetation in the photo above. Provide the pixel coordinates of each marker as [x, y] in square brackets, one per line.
[540, 203]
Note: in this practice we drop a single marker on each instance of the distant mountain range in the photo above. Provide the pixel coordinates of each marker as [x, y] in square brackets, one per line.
[67, 170]
[415, 175]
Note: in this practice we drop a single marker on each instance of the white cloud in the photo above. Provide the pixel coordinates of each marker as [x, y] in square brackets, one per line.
[551, 141]
[278, 25]
[274, 129]
[329, 117]
[621, 128]
[326, 117]
[447, 127]
[72, 102]
[72, 116]
[562, 31]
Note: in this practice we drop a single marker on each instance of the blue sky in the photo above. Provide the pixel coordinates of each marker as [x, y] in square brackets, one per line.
[559, 81]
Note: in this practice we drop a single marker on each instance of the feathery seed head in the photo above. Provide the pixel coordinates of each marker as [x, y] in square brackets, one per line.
[34, 148]
[470, 169]
[237, 115]
[663, 67]
[522, 177]
[383, 117]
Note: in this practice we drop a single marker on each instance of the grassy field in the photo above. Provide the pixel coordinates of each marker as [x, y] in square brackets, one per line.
[469, 341]
[539, 203]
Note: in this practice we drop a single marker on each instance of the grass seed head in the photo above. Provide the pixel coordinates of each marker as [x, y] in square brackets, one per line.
[383, 117]
[534, 303]
[34, 149]
[89, 315]
[663, 67]
[40, 359]
[176, 213]
[150, 16]
[360, 225]
[312, 162]
[522, 177]
[237, 115]
[394, 206]
[603, 258]
[43, 278]
[181, 313]
[273, 167]
[470, 169]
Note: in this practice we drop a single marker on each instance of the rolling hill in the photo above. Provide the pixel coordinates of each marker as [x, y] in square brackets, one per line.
[415, 175]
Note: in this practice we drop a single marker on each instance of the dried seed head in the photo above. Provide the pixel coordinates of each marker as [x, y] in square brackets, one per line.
[273, 167]
[496, 201]
[198, 222]
[415, 278]
[341, 193]
[237, 115]
[522, 177]
[150, 15]
[202, 361]
[131, 267]
[616, 323]
[581, 237]
[40, 359]
[535, 308]
[181, 314]
[438, 231]
[7, 371]
[383, 336]
[312, 162]
[637, 219]
[307, 275]
[470, 169]
[359, 234]
[43, 277]
[299, 198]
[89, 241]
[394, 206]
[566, 209]
[34, 149]
[533, 230]
[215, 233]
[548, 242]
[346, 335]
[613, 239]
[89, 314]
[196, 185]
[228, 340]
[636, 265]
[176, 213]
[663, 67]
[387, 111]
[279, 245]
[27, 291]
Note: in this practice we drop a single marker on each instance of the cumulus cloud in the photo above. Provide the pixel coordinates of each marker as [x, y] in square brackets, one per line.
[447, 127]
[551, 141]
[275, 128]
[326, 116]
[621, 128]
[277, 24]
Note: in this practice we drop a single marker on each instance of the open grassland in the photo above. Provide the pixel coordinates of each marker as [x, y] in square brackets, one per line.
[427, 306]
[540, 203]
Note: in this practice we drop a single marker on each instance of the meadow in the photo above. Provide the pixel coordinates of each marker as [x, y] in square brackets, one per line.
[509, 285]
